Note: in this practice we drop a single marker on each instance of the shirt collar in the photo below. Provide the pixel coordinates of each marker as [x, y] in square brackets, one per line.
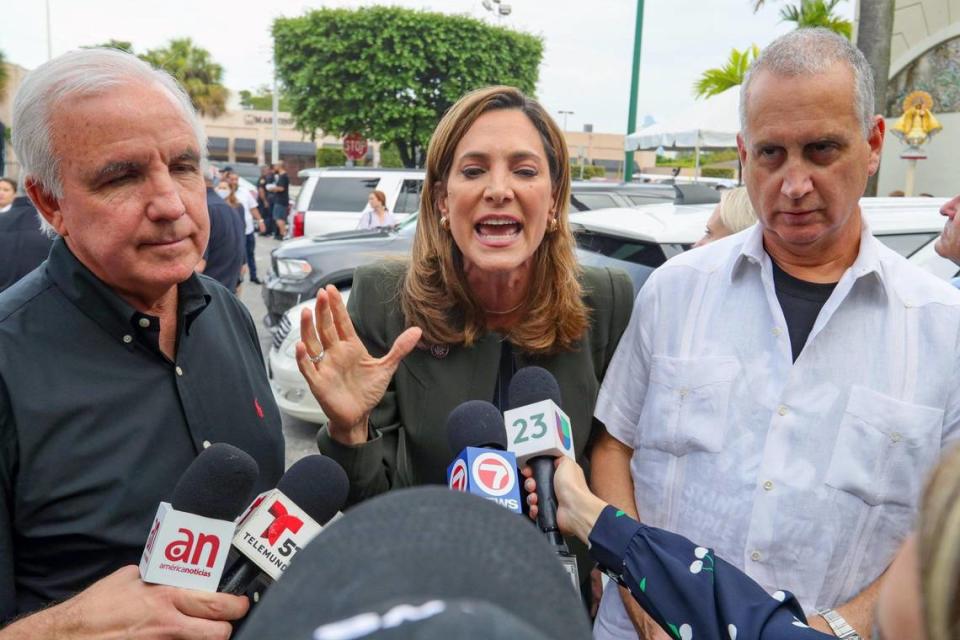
[867, 261]
[101, 304]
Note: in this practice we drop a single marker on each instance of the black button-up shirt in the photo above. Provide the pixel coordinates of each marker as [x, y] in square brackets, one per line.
[97, 425]
[22, 245]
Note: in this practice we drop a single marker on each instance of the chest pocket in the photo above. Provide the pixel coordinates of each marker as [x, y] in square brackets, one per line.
[885, 448]
[687, 403]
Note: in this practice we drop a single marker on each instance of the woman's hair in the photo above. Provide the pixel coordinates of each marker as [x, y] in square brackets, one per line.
[938, 547]
[11, 182]
[381, 196]
[435, 295]
[736, 212]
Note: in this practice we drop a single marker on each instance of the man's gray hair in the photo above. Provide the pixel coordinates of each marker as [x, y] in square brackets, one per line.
[80, 73]
[810, 51]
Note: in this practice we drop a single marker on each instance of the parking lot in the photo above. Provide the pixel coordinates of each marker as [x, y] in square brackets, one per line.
[300, 436]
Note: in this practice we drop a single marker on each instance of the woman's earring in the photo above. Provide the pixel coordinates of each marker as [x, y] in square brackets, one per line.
[445, 223]
[552, 225]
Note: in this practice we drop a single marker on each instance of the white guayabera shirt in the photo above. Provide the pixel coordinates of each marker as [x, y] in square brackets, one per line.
[805, 475]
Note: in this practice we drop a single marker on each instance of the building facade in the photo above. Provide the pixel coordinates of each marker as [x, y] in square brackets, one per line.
[925, 55]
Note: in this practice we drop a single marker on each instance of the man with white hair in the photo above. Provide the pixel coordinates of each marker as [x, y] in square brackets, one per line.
[767, 398]
[118, 363]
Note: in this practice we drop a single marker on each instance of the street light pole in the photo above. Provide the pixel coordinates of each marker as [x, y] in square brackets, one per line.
[565, 114]
[275, 152]
[634, 82]
[49, 34]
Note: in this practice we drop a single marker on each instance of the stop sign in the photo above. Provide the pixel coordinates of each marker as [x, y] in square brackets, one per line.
[355, 146]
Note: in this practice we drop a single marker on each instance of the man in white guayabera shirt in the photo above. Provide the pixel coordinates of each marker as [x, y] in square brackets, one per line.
[780, 394]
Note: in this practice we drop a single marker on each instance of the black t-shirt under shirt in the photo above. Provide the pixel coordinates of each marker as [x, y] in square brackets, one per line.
[801, 302]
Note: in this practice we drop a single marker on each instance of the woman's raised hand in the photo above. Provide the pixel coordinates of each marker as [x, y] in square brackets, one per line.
[344, 378]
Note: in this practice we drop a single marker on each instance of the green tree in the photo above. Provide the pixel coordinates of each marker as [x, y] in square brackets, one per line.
[717, 80]
[262, 100]
[390, 73]
[3, 73]
[195, 70]
[123, 45]
[817, 13]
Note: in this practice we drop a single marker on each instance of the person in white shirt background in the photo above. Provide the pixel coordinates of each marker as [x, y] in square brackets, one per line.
[780, 394]
[376, 214]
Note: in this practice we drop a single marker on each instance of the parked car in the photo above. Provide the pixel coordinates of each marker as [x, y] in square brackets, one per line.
[300, 267]
[333, 199]
[589, 196]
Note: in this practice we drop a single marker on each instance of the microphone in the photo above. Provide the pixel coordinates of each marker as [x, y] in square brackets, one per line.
[538, 431]
[282, 521]
[194, 529]
[482, 467]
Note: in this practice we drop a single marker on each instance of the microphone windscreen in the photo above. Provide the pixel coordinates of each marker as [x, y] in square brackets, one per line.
[533, 384]
[316, 484]
[218, 483]
[476, 423]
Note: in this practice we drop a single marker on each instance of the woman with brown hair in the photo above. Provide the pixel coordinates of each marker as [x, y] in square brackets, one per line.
[376, 214]
[492, 285]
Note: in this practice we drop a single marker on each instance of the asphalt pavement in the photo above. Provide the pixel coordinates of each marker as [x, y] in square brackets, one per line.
[300, 436]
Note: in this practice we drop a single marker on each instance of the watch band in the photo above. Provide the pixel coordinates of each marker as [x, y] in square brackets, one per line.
[841, 628]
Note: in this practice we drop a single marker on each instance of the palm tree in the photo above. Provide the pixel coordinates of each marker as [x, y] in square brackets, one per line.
[817, 13]
[3, 74]
[194, 68]
[717, 80]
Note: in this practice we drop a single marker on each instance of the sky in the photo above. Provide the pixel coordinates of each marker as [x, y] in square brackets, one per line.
[588, 44]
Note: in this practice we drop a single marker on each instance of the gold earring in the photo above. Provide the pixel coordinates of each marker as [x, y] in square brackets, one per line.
[445, 223]
[552, 225]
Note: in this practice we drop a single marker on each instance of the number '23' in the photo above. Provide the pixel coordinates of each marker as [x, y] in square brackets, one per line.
[538, 423]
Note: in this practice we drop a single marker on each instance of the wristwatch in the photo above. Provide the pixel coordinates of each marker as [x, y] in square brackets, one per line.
[841, 628]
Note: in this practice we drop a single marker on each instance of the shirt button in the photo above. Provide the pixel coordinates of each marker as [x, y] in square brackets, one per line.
[782, 410]
[895, 436]
[144, 322]
[206, 444]
[768, 486]
[127, 339]
[777, 331]
[755, 556]
[179, 371]
[684, 392]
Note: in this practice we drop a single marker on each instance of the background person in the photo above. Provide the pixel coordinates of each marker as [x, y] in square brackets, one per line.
[376, 214]
[733, 214]
[8, 191]
[226, 251]
[493, 285]
[22, 244]
[253, 221]
[948, 244]
[118, 363]
[280, 198]
[748, 405]
[263, 199]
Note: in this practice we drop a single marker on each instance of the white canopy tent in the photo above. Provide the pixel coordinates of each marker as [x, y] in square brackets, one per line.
[709, 124]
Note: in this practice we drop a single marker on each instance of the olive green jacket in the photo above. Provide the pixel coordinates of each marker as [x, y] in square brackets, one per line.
[408, 440]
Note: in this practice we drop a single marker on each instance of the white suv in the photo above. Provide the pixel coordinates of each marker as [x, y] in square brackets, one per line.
[332, 199]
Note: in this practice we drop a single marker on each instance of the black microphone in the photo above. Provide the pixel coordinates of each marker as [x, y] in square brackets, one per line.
[282, 521]
[482, 466]
[476, 423]
[541, 432]
[191, 534]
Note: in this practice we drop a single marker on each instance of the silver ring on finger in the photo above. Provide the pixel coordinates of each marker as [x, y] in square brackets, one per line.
[316, 359]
